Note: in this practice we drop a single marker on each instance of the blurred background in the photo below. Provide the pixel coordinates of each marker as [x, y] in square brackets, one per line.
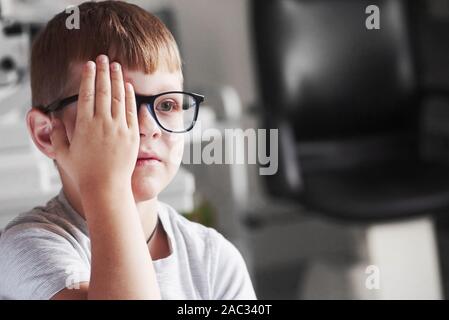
[359, 93]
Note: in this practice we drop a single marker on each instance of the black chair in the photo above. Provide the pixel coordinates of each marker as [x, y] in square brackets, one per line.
[357, 141]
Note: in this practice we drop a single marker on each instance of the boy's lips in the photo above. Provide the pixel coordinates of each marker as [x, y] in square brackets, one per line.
[148, 155]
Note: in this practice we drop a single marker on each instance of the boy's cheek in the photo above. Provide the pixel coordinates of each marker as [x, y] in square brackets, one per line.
[176, 148]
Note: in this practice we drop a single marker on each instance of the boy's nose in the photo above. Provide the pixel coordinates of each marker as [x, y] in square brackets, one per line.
[148, 126]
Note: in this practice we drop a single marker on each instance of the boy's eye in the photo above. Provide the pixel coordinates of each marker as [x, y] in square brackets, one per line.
[166, 106]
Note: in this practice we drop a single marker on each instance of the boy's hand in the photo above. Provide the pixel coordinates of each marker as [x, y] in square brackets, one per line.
[101, 158]
[105, 143]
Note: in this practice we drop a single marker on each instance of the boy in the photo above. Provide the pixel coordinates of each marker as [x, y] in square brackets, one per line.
[117, 141]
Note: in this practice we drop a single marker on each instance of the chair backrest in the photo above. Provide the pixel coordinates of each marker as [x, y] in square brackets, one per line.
[323, 70]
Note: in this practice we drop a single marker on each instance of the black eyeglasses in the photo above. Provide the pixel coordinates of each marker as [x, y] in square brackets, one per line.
[174, 111]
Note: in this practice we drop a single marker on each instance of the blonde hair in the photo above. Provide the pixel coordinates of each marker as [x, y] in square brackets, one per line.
[125, 32]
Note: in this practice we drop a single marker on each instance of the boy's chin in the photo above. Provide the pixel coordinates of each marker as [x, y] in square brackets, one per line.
[145, 191]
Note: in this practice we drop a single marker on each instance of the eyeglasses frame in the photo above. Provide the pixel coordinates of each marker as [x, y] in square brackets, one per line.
[140, 99]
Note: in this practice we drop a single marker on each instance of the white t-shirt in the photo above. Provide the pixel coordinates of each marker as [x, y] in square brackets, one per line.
[48, 249]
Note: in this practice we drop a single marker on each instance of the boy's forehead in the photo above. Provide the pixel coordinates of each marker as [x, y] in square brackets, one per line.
[159, 81]
[144, 83]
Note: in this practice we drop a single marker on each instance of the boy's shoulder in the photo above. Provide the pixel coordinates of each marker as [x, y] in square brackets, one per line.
[207, 249]
[40, 221]
[37, 216]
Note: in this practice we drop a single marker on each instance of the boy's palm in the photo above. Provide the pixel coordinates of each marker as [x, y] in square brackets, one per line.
[104, 147]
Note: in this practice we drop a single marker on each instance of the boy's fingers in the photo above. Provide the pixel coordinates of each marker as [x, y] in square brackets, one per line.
[58, 137]
[86, 96]
[118, 92]
[103, 88]
[131, 108]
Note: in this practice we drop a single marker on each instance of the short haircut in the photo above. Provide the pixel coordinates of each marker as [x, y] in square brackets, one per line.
[125, 32]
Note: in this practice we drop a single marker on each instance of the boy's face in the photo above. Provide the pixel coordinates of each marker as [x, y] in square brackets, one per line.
[150, 179]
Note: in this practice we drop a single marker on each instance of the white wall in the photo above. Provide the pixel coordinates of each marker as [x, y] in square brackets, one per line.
[216, 43]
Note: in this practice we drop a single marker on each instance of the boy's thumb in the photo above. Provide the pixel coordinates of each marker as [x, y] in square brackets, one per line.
[58, 136]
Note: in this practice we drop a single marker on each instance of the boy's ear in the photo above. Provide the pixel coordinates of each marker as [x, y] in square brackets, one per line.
[40, 127]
